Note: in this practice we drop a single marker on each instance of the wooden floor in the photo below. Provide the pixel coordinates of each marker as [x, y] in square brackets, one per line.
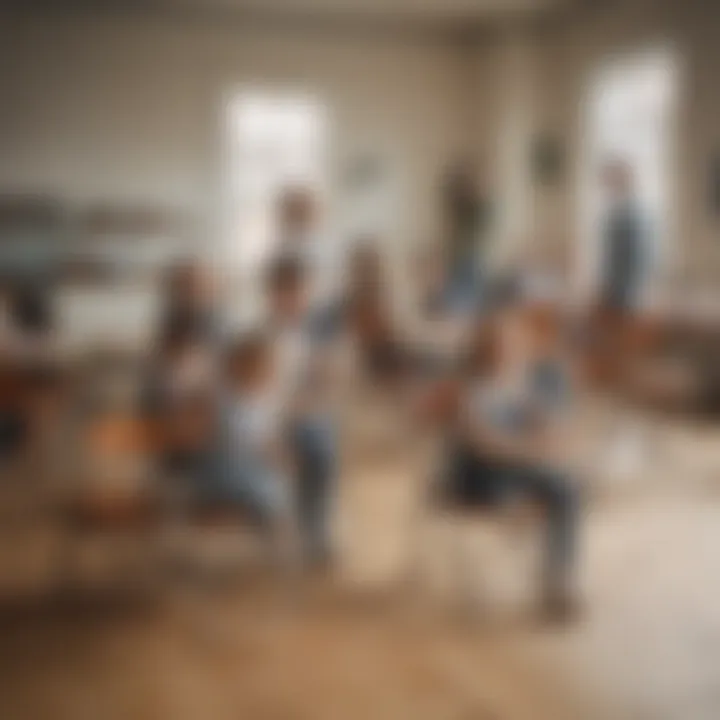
[360, 645]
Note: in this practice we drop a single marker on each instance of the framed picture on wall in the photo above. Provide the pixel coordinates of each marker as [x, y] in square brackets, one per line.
[363, 172]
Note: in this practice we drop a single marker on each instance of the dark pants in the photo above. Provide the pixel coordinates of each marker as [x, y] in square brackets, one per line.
[475, 482]
[215, 481]
[315, 455]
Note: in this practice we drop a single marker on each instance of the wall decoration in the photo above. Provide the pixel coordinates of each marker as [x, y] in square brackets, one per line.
[363, 172]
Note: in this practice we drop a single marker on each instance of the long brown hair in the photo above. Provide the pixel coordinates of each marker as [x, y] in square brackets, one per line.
[483, 354]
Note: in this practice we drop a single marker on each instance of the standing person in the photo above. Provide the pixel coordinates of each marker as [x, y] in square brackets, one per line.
[300, 235]
[623, 274]
[307, 313]
[305, 389]
[625, 252]
[469, 214]
[430, 279]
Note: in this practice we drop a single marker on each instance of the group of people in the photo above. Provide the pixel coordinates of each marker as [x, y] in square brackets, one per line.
[252, 421]
[242, 414]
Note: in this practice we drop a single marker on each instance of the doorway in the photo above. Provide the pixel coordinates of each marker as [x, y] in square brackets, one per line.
[630, 115]
[275, 139]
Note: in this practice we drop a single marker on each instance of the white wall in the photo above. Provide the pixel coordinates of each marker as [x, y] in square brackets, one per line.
[561, 57]
[134, 108]
[123, 108]
[503, 101]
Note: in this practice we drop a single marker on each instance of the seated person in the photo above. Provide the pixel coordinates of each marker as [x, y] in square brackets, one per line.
[190, 300]
[247, 465]
[381, 353]
[504, 443]
[364, 313]
[27, 361]
[381, 350]
[218, 428]
[550, 372]
[176, 396]
[219, 433]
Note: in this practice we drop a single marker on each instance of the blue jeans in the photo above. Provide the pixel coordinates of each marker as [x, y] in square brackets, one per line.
[473, 481]
[217, 480]
[315, 450]
[463, 288]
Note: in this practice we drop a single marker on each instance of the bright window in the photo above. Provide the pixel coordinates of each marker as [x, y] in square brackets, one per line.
[630, 115]
[277, 139]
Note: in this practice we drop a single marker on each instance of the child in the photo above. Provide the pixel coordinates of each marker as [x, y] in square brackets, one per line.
[247, 468]
[219, 428]
[501, 446]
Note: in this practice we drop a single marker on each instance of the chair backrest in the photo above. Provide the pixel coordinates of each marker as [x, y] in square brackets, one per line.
[118, 435]
[621, 342]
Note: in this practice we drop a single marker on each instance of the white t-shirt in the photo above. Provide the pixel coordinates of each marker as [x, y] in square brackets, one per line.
[324, 260]
[303, 385]
[254, 424]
